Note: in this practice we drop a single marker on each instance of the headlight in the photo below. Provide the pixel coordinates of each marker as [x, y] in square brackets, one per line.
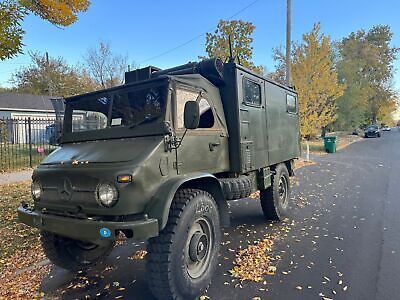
[106, 194]
[36, 189]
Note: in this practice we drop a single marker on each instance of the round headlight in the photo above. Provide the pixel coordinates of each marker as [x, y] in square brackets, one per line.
[36, 190]
[106, 194]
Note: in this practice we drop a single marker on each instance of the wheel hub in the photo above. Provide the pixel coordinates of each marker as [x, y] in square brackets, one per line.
[282, 190]
[198, 246]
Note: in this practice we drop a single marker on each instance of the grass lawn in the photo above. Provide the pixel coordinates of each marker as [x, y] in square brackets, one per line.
[16, 157]
[20, 249]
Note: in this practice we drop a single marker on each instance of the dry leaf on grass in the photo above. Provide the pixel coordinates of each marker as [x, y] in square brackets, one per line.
[20, 249]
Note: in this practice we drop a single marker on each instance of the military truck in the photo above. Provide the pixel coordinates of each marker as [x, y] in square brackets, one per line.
[157, 159]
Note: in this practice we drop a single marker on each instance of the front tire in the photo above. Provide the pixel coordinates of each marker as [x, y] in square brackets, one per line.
[183, 258]
[73, 254]
[275, 199]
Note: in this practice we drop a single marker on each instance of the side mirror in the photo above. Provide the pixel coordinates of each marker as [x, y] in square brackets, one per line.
[191, 115]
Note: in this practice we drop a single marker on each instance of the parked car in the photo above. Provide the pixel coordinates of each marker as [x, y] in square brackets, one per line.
[386, 128]
[372, 131]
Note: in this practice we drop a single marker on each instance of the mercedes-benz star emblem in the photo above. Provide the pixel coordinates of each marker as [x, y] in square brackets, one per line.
[66, 190]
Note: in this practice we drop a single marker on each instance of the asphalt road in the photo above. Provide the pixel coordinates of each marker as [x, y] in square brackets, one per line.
[342, 240]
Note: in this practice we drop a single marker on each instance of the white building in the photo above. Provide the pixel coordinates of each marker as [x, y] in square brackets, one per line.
[21, 106]
[19, 112]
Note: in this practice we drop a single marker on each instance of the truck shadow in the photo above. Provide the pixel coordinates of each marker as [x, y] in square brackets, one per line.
[120, 276]
[123, 275]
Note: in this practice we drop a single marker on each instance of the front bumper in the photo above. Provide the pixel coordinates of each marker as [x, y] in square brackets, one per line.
[87, 229]
[371, 134]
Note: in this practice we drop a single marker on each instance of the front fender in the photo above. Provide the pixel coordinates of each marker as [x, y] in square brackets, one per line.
[161, 201]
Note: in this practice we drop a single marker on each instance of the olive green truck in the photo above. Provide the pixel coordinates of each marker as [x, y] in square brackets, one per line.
[158, 159]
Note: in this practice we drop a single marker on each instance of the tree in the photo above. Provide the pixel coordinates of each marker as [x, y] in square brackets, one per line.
[12, 12]
[11, 15]
[366, 67]
[5, 90]
[385, 113]
[52, 76]
[279, 74]
[315, 79]
[217, 43]
[107, 68]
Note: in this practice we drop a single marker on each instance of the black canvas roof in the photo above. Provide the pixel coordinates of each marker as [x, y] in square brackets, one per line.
[24, 101]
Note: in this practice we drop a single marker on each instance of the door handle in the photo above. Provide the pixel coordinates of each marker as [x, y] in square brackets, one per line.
[213, 145]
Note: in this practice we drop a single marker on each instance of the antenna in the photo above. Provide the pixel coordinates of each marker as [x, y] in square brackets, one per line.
[231, 58]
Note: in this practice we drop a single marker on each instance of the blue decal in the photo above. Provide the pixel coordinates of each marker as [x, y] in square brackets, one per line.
[105, 232]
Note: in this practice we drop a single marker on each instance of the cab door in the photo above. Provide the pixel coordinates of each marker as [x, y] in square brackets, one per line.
[253, 122]
[204, 149]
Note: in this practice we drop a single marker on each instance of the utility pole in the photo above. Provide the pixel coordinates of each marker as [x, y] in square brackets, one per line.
[49, 83]
[288, 42]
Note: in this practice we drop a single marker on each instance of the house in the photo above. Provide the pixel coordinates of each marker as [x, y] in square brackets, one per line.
[22, 106]
[26, 118]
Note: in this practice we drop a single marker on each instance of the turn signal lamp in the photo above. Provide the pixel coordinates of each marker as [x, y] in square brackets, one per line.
[124, 178]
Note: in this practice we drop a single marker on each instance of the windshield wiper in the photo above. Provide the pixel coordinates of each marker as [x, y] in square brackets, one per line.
[146, 120]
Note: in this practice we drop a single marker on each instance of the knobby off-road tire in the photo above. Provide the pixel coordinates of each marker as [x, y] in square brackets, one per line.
[275, 199]
[236, 188]
[182, 259]
[72, 254]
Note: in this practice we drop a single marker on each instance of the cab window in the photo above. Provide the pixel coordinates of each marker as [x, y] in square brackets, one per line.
[206, 114]
[207, 119]
[291, 104]
[251, 92]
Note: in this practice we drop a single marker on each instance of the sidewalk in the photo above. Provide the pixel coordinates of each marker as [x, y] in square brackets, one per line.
[13, 177]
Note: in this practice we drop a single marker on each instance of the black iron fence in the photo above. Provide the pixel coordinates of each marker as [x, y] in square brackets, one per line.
[25, 142]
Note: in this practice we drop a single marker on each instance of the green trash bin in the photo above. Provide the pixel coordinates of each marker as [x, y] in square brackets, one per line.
[330, 144]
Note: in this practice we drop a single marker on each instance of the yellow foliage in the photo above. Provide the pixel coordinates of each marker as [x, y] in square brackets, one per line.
[58, 12]
[316, 82]
[385, 112]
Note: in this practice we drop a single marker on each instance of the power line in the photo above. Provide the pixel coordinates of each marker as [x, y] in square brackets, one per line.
[197, 36]
[243, 9]
[172, 49]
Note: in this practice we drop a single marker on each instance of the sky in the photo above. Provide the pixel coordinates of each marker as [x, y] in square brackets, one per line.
[170, 33]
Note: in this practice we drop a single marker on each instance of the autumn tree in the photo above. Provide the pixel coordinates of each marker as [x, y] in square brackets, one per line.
[12, 12]
[105, 66]
[353, 103]
[217, 42]
[52, 76]
[366, 67]
[5, 90]
[279, 74]
[11, 15]
[385, 113]
[315, 79]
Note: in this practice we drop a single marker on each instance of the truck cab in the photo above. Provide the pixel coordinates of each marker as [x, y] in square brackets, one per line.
[157, 159]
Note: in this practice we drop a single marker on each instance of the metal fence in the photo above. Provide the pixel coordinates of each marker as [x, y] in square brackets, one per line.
[24, 143]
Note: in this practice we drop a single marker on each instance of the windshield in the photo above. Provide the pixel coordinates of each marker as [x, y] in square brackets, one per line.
[126, 108]
[372, 127]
